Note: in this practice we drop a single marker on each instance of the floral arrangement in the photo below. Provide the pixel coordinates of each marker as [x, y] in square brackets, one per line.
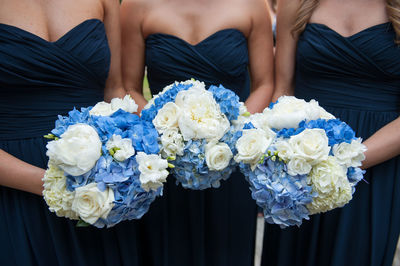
[196, 131]
[103, 165]
[299, 160]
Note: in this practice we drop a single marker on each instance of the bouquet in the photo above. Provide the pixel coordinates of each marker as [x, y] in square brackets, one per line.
[299, 160]
[195, 129]
[103, 165]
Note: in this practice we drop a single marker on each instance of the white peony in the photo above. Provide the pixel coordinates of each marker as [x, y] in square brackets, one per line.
[298, 166]
[91, 203]
[350, 154]
[77, 151]
[289, 111]
[201, 117]
[120, 148]
[55, 193]
[252, 145]
[153, 170]
[329, 180]
[218, 156]
[127, 104]
[101, 109]
[310, 145]
[172, 143]
[167, 117]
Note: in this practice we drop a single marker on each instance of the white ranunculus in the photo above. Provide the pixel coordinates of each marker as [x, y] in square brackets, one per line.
[252, 145]
[55, 193]
[91, 203]
[201, 117]
[298, 166]
[167, 117]
[101, 109]
[153, 170]
[122, 148]
[77, 150]
[289, 111]
[127, 104]
[172, 143]
[218, 156]
[350, 154]
[329, 180]
[310, 145]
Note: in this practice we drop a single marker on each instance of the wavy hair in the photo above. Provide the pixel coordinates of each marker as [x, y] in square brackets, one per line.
[308, 6]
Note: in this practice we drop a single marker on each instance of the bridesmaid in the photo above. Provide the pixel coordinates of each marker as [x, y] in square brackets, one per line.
[346, 55]
[225, 42]
[54, 56]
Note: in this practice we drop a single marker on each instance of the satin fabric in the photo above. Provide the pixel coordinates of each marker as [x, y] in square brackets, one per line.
[356, 78]
[38, 81]
[214, 226]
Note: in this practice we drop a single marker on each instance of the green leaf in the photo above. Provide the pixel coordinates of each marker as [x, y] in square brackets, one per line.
[82, 223]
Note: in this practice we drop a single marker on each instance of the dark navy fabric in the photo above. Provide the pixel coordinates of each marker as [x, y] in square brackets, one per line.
[357, 79]
[214, 226]
[38, 81]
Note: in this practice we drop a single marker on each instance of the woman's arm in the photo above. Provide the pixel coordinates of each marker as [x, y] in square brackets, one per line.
[133, 49]
[383, 144]
[114, 86]
[285, 52]
[260, 44]
[20, 175]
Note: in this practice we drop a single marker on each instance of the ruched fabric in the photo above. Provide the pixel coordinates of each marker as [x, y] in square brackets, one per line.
[38, 81]
[357, 79]
[214, 226]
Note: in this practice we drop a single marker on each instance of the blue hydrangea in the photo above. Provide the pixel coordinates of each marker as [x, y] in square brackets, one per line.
[228, 101]
[282, 197]
[131, 201]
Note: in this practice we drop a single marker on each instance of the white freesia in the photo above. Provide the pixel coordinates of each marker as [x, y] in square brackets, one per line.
[91, 203]
[122, 148]
[167, 117]
[127, 104]
[252, 145]
[201, 117]
[218, 156]
[153, 170]
[77, 150]
[310, 145]
[172, 143]
[298, 166]
[55, 193]
[329, 180]
[243, 118]
[101, 109]
[289, 111]
[350, 154]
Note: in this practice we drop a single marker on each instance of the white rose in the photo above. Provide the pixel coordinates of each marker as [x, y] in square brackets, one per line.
[260, 121]
[127, 104]
[310, 145]
[218, 156]
[167, 117]
[252, 145]
[172, 143]
[101, 109]
[55, 193]
[350, 154]
[91, 203]
[298, 166]
[77, 151]
[284, 149]
[289, 111]
[122, 148]
[153, 170]
[200, 117]
[329, 180]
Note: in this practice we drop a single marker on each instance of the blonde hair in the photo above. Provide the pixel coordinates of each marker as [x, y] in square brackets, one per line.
[307, 7]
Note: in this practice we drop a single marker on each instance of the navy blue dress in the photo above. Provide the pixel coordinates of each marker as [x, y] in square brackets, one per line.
[215, 226]
[358, 80]
[38, 81]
